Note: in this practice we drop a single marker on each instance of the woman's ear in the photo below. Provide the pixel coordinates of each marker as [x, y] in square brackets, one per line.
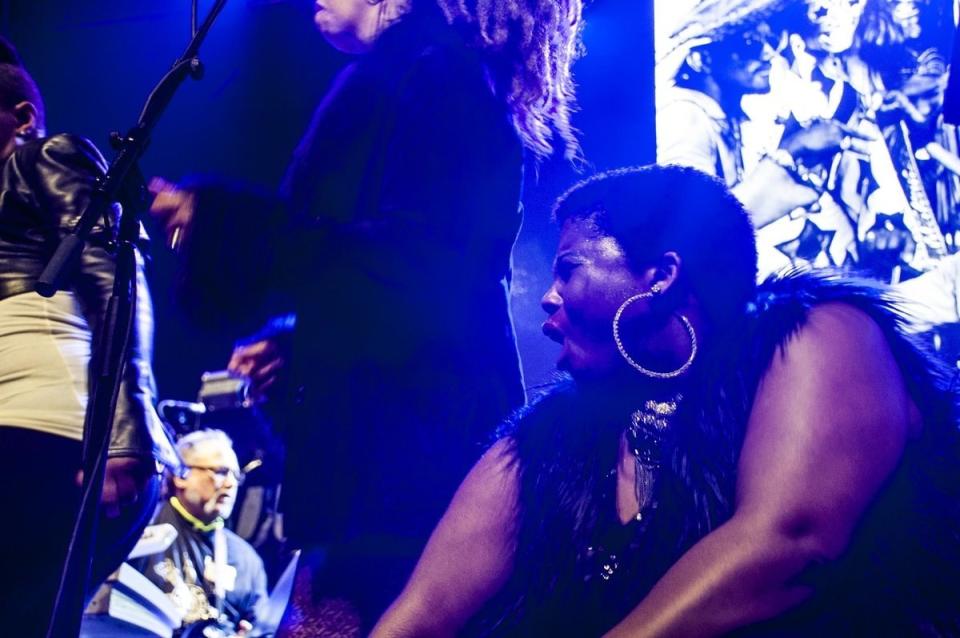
[665, 272]
[27, 115]
[393, 10]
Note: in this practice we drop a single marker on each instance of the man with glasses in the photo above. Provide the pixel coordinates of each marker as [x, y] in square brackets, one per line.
[214, 577]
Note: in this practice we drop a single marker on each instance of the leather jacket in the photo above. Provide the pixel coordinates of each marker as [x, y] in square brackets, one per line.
[45, 185]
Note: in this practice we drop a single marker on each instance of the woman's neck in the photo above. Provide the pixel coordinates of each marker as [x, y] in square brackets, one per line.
[628, 393]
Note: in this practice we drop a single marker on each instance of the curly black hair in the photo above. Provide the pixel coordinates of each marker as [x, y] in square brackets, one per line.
[653, 209]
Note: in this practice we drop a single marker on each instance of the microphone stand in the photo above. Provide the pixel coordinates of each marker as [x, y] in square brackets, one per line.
[107, 364]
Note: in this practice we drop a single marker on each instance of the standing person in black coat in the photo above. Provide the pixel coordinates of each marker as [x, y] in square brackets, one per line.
[392, 245]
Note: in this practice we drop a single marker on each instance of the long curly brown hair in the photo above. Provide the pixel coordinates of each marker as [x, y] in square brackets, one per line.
[532, 45]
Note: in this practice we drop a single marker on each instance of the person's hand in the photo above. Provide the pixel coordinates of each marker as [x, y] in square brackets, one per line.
[825, 137]
[173, 207]
[262, 362]
[887, 244]
[123, 480]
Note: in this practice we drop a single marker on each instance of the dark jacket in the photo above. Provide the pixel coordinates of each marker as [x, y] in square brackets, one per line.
[45, 186]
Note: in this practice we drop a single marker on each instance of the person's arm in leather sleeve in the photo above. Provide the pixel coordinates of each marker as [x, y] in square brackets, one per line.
[62, 177]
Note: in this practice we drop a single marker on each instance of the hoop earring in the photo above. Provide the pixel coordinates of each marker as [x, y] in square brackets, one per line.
[636, 366]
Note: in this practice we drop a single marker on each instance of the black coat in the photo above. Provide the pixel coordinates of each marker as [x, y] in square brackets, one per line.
[392, 244]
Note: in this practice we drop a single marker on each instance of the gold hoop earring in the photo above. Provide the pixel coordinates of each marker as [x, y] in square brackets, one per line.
[655, 289]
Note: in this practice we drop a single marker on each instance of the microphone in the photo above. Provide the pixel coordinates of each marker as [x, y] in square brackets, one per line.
[182, 415]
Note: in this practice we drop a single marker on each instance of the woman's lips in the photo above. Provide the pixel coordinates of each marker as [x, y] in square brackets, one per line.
[552, 332]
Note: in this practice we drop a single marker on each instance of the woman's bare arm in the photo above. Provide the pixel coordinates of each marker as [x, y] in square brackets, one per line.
[469, 555]
[828, 427]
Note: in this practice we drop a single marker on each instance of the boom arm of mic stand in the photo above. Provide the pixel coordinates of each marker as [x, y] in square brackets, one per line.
[108, 362]
[113, 182]
[131, 148]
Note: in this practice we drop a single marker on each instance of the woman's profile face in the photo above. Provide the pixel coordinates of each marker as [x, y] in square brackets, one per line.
[591, 278]
[348, 25]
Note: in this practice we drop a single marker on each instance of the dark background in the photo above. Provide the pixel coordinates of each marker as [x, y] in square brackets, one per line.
[266, 67]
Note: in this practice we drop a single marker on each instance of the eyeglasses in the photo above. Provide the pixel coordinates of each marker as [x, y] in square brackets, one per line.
[758, 43]
[763, 43]
[220, 474]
